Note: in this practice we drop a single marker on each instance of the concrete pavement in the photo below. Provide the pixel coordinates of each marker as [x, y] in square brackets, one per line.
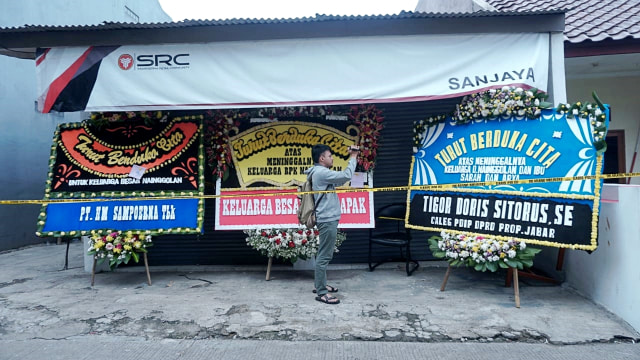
[206, 310]
[109, 348]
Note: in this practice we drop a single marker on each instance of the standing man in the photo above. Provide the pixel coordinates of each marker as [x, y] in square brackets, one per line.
[327, 212]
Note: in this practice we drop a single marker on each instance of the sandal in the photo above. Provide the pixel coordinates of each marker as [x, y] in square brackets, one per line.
[328, 299]
[331, 289]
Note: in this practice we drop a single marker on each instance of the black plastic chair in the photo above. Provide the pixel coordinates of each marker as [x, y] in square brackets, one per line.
[400, 237]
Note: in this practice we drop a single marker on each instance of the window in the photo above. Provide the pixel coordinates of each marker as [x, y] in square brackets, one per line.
[614, 157]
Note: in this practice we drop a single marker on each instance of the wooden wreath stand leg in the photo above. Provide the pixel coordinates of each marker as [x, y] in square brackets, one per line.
[268, 277]
[93, 270]
[516, 287]
[446, 278]
[528, 273]
[146, 267]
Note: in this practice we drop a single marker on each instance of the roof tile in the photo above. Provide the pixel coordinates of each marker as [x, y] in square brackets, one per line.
[594, 20]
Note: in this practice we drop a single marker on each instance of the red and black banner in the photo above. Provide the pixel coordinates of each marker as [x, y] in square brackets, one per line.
[94, 158]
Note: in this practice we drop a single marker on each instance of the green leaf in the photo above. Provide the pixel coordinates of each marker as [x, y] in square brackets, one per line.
[478, 267]
[136, 258]
[597, 99]
[503, 265]
[545, 105]
[584, 107]
[526, 256]
[492, 266]
[600, 146]
[600, 128]
[512, 263]
[439, 254]
[527, 263]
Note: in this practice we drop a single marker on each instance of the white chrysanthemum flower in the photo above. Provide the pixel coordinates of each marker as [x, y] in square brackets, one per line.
[511, 253]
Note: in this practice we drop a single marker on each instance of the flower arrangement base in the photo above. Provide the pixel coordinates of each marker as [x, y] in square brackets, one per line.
[512, 270]
[146, 267]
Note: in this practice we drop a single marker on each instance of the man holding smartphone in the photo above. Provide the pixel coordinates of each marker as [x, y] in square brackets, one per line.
[327, 212]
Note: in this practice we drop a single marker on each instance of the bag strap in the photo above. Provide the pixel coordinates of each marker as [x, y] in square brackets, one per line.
[315, 205]
[320, 198]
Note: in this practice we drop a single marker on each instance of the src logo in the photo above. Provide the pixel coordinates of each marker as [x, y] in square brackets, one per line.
[125, 61]
[153, 61]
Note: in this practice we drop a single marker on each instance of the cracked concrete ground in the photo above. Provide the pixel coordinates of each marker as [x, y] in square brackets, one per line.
[39, 301]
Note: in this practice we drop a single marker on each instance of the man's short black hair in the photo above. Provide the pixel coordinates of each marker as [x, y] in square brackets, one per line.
[317, 150]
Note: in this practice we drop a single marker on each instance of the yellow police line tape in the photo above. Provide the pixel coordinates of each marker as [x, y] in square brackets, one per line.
[432, 187]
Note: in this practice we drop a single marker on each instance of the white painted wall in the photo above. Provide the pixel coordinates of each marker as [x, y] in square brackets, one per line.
[621, 92]
[610, 275]
[26, 136]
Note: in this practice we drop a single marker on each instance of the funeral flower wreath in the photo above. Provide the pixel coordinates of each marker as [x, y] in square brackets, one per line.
[288, 244]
